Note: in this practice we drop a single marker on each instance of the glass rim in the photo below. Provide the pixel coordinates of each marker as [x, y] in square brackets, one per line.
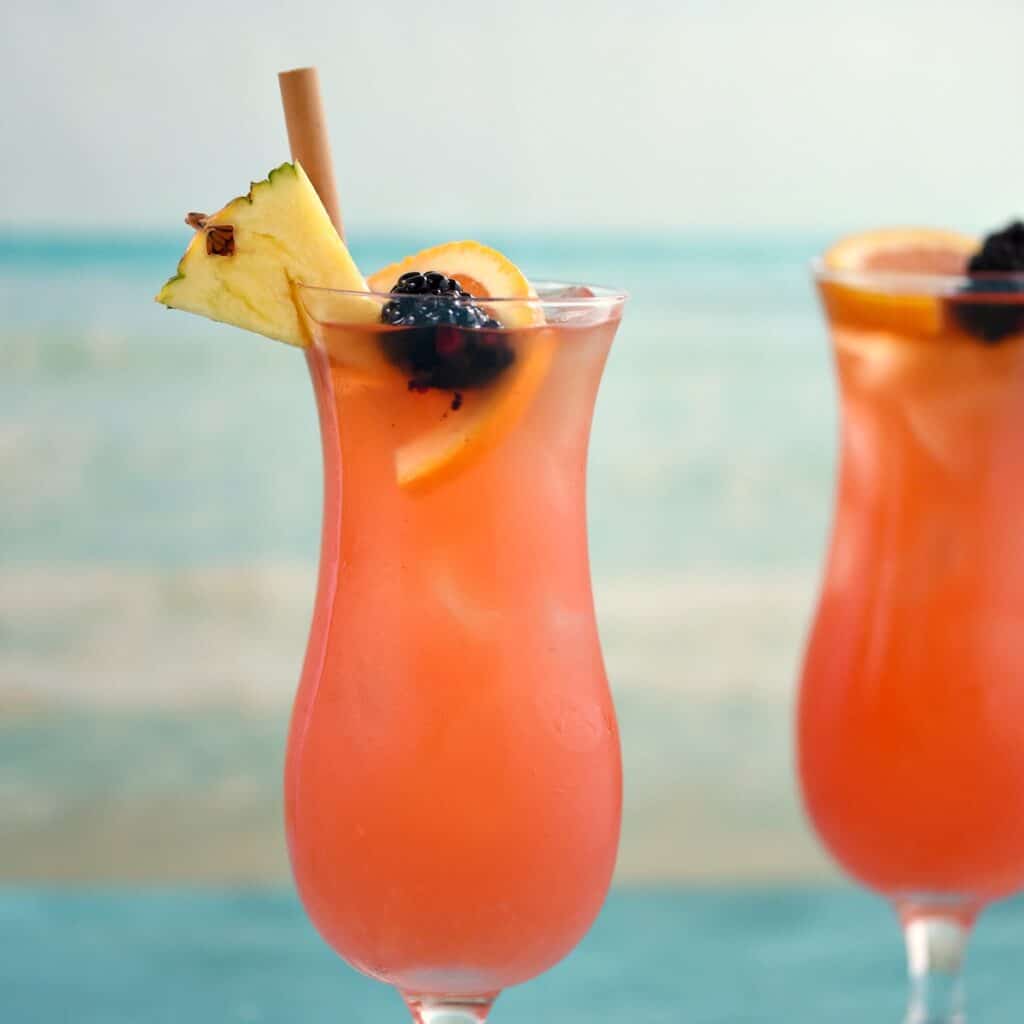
[968, 287]
[600, 295]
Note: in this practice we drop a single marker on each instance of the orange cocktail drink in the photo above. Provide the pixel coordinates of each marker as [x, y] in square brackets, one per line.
[453, 787]
[911, 716]
[453, 784]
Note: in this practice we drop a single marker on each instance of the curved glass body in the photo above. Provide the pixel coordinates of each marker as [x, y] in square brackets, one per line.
[911, 742]
[453, 782]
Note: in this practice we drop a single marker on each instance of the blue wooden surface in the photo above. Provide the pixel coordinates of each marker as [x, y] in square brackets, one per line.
[655, 956]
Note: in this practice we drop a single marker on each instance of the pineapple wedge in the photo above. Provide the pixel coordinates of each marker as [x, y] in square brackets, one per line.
[244, 262]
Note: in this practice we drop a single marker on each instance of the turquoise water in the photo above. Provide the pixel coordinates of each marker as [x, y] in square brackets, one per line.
[159, 508]
[711, 442]
[655, 956]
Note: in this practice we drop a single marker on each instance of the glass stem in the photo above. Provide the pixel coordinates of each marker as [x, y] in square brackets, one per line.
[936, 945]
[431, 1010]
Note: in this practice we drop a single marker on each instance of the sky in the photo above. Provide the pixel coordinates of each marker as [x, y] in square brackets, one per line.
[537, 115]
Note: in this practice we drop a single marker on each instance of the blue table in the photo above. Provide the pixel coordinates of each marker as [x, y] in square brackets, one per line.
[656, 956]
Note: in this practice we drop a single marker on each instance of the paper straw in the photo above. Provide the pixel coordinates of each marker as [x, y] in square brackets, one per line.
[307, 135]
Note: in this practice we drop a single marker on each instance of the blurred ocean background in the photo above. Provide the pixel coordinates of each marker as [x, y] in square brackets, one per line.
[159, 475]
[159, 521]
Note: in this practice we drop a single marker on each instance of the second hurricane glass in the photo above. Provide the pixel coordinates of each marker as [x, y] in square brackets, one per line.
[910, 738]
[453, 781]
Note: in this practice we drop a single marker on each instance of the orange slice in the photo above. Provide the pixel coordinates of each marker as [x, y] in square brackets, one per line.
[482, 271]
[489, 414]
[897, 251]
[483, 421]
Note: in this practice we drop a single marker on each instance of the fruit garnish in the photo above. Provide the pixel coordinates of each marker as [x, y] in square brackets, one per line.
[455, 344]
[419, 308]
[245, 260]
[485, 353]
[902, 250]
[482, 272]
[896, 251]
[478, 420]
[1002, 252]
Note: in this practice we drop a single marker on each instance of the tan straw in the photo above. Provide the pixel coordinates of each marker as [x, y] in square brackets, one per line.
[307, 135]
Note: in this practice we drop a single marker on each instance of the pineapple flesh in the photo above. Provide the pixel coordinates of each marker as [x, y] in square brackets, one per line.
[244, 263]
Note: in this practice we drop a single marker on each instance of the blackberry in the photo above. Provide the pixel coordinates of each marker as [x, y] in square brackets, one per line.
[449, 341]
[1001, 253]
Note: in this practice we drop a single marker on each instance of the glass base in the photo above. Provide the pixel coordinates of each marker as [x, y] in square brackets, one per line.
[438, 1010]
[936, 930]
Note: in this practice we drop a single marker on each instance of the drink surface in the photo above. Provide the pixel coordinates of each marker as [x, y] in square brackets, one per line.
[453, 784]
[910, 736]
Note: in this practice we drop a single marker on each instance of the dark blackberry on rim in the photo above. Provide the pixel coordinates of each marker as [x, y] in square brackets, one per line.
[431, 283]
[449, 341]
[1001, 253]
[424, 307]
